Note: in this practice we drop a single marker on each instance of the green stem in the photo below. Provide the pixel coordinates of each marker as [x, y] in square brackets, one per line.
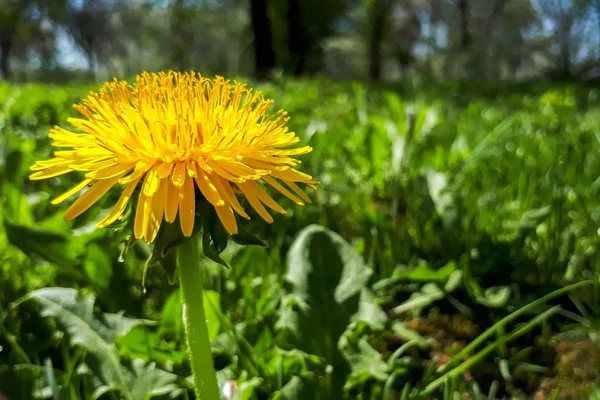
[194, 319]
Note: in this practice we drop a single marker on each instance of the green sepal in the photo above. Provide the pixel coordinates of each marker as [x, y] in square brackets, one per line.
[214, 236]
[169, 236]
[246, 238]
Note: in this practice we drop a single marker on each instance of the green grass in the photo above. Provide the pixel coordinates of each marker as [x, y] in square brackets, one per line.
[452, 247]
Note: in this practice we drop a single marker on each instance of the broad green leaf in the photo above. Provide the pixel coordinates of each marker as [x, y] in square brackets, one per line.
[424, 274]
[327, 277]
[145, 343]
[396, 108]
[366, 364]
[495, 296]
[321, 261]
[19, 381]
[74, 313]
[247, 389]
[442, 199]
[369, 311]
[408, 335]
[145, 381]
[454, 281]
[428, 294]
[212, 310]
[171, 317]
[36, 243]
[98, 265]
[296, 389]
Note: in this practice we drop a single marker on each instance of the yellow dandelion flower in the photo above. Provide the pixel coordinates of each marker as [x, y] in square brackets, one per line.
[172, 132]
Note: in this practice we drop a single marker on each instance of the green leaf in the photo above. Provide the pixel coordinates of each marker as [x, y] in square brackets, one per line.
[36, 243]
[327, 277]
[495, 297]
[19, 381]
[454, 281]
[424, 274]
[146, 343]
[212, 310]
[442, 199]
[369, 311]
[171, 316]
[366, 364]
[145, 381]
[247, 389]
[320, 261]
[428, 294]
[408, 335]
[244, 237]
[98, 265]
[296, 389]
[74, 313]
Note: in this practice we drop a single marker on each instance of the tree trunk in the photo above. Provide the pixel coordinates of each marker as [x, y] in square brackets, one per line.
[565, 25]
[497, 10]
[5, 47]
[377, 22]
[297, 41]
[465, 35]
[263, 38]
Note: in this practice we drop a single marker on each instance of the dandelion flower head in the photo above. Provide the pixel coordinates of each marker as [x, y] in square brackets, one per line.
[175, 136]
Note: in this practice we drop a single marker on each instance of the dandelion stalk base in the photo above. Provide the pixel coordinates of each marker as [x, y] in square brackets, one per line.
[194, 319]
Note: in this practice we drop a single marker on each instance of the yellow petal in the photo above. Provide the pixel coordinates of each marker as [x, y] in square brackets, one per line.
[157, 211]
[224, 173]
[151, 183]
[187, 207]
[208, 189]
[294, 152]
[138, 225]
[238, 169]
[250, 195]
[171, 201]
[110, 172]
[165, 170]
[91, 196]
[140, 169]
[281, 189]
[91, 165]
[265, 198]
[227, 193]
[71, 192]
[291, 175]
[51, 172]
[298, 191]
[55, 162]
[179, 174]
[118, 209]
[227, 218]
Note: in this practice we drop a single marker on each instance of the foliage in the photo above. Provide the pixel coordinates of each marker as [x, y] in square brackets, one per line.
[436, 257]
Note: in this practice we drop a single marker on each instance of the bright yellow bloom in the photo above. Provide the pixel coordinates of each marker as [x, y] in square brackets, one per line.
[172, 132]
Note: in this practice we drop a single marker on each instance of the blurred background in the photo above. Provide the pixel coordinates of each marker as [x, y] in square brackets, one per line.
[451, 250]
[510, 40]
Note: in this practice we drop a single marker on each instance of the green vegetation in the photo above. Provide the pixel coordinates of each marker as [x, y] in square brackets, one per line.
[452, 247]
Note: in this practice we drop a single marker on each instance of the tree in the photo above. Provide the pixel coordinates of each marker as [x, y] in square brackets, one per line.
[15, 16]
[564, 16]
[264, 55]
[378, 18]
[297, 39]
[89, 24]
[465, 34]
[27, 26]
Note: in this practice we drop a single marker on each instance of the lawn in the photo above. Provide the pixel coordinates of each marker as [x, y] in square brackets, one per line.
[451, 248]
